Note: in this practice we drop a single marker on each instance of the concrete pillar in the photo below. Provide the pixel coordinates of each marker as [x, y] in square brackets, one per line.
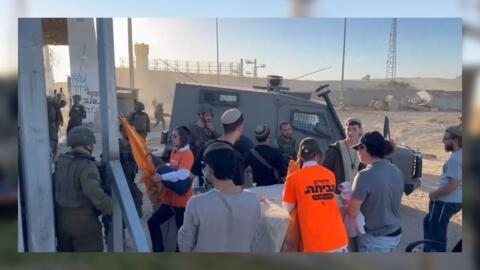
[84, 64]
[34, 140]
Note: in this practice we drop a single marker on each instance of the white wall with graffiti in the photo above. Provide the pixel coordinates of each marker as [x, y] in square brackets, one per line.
[83, 80]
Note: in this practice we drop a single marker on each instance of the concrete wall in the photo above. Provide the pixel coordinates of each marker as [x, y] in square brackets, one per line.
[161, 85]
[84, 64]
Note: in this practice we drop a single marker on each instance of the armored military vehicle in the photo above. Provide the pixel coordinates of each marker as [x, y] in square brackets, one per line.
[273, 105]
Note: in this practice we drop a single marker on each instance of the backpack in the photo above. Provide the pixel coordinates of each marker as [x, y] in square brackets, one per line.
[140, 122]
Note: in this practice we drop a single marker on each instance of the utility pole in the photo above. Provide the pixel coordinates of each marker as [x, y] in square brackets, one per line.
[343, 61]
[130, 55]
[218, 57]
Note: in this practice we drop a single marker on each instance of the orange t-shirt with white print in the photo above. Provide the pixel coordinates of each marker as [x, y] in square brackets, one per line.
[180, 159]
[312, 189]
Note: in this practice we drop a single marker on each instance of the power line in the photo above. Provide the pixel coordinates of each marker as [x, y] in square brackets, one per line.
[174, 68]
[309, 73]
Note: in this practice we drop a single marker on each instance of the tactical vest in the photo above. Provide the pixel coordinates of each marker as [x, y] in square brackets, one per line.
[140, 122]
[77, 113]
[287, 149]
[67, 186]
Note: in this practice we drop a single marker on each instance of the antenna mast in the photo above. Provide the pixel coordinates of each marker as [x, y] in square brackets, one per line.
[391, 72]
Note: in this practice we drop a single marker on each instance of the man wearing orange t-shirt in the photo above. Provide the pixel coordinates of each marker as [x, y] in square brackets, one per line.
[312, 191]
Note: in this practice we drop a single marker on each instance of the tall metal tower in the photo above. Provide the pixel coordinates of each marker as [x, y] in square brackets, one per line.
[391, 72]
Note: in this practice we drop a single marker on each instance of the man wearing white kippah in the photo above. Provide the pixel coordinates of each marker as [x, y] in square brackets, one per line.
[232, 122]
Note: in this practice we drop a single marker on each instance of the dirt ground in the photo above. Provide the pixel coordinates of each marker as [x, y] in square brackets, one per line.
[423, 131]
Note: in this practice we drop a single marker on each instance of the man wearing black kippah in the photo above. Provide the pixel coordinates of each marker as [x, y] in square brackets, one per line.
[266, 162]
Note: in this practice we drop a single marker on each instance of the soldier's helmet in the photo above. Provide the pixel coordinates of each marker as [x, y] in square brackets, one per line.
[77, 98]
[139, 106]
[205, 108]
[80, 135]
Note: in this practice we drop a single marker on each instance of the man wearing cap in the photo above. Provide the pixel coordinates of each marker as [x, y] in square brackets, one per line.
[226, 218]
[312, 190]
[340, 157]
[232, 122]
[202, 130]
[377, 194]
[446, 200]
[265, 161]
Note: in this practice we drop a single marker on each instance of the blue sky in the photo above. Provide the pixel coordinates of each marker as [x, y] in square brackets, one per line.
[365, 39]
[293, 47]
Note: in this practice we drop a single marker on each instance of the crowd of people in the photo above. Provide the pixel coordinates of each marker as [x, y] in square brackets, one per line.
[208, 174]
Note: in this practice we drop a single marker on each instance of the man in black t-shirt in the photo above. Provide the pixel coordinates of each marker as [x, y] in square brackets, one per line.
[233, 122]
[266, 162]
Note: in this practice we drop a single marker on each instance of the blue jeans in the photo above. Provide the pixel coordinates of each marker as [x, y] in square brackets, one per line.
[371, 243]
[436, 222]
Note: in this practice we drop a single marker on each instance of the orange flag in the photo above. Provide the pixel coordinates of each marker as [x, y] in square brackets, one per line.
[292, 167]
[142, 157]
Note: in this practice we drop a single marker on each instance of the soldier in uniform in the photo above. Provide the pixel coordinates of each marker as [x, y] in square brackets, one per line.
[60, 98]
[140, 120]
[159, 115]
[77, 113]
[286, 143]
[130, 169]
[202, 130]
[55, 120]
[78, 195]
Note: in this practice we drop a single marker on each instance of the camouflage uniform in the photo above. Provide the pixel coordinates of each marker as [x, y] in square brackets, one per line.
[130, 170]
[159, 115]
[200, 135]
[138, 116]
[288, 149]
[55, 120]
[76, 114]
[79, 198]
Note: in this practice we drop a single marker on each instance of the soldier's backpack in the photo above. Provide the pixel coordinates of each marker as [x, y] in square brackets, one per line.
[140, 121]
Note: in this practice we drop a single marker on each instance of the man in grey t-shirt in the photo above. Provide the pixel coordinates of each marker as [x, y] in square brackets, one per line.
[446, 200]
[226, 218]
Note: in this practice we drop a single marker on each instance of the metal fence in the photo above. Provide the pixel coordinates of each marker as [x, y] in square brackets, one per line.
[198, 67]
